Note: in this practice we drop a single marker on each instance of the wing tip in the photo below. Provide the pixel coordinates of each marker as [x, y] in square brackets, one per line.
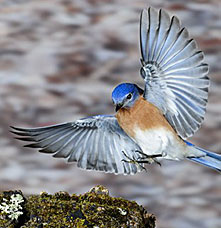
[16, 128]
[32, 145]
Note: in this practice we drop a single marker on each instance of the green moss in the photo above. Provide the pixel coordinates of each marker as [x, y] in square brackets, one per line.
[93, 209]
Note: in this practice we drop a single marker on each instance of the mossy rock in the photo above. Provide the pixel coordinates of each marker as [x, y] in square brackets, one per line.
[94, 209]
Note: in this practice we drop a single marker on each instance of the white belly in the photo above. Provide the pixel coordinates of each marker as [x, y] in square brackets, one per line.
[160, 141]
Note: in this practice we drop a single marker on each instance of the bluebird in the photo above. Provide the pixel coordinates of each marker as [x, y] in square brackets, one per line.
[151, 124]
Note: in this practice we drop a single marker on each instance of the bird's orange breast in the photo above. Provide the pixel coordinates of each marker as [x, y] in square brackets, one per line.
[143, 115]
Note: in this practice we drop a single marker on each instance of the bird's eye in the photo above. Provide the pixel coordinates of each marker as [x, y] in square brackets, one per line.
[129, 96]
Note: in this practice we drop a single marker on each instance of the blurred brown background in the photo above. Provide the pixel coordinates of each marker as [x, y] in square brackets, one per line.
[59, 61]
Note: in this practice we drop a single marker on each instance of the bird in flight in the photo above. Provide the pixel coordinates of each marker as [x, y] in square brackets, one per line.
[150, 124]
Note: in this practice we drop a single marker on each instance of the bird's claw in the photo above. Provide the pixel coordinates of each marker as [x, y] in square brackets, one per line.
[149, 158]
[133, 161]
[144, 159]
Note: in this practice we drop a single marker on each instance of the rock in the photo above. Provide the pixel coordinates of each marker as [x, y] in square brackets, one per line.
[93, 209]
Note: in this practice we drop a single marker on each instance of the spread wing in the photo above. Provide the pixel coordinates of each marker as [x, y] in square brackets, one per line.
[174, 72]
[94, 143]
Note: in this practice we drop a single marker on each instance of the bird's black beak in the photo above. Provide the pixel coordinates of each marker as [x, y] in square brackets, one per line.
[118, 106]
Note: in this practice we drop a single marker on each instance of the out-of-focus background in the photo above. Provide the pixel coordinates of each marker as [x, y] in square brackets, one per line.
[60, 60]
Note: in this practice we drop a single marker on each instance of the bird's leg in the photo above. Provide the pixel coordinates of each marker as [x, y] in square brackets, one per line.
[133, 161]
[150, 158]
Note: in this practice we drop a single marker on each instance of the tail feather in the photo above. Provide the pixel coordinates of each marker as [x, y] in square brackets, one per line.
[211, 160]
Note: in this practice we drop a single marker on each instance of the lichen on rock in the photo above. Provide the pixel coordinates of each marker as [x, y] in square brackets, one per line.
[94, 209]
[11, 208]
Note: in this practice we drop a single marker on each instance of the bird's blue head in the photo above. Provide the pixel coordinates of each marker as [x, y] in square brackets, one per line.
[125, 95]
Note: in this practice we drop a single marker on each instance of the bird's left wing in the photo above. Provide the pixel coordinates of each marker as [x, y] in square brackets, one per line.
[174, 71]
[96, 142]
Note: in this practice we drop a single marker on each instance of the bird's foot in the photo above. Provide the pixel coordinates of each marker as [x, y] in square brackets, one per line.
[145, 158]
[133, 161]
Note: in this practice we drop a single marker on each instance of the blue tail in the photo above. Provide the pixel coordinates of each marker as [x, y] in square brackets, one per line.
[211, 159]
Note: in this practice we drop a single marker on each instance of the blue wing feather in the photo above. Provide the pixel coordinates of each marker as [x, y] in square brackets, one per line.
[174, 72]
[95, 142]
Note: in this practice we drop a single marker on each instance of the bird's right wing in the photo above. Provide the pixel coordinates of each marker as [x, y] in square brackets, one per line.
[96, 142]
